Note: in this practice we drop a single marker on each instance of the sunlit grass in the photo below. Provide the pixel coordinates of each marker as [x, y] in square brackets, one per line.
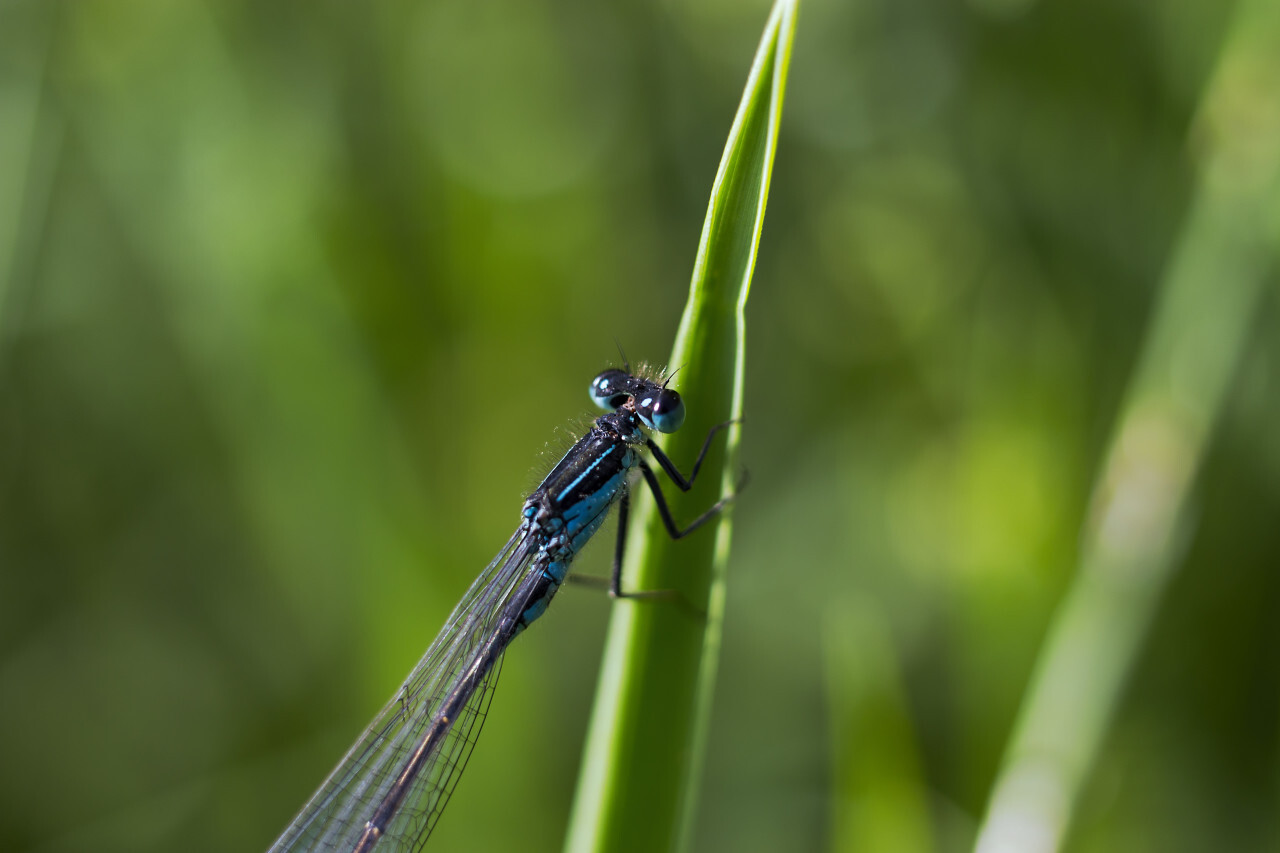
[640, 772]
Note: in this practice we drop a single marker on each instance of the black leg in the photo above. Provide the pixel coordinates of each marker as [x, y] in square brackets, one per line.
[592, 581]
[670, 467]
[620, 548]
[615, 580]
[614, 583]
[670, 523]
[624, 512]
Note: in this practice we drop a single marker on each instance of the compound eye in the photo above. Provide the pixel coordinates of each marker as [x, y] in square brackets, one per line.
[609, 389]
[662, 410]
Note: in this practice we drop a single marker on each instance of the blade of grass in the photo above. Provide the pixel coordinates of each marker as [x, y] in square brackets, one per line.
[1139, 522]
[31, 136]
[879, 801]
[640, 770]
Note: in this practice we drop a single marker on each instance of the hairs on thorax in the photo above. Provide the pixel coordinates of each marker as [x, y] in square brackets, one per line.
[568, 433]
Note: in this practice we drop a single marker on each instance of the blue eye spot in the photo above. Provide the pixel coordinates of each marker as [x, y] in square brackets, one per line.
[665, 412]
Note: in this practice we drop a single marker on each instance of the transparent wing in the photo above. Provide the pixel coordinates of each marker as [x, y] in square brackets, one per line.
[335, 817]
[431, 790]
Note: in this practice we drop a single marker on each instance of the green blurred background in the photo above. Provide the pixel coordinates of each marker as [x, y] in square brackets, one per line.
[297, 299]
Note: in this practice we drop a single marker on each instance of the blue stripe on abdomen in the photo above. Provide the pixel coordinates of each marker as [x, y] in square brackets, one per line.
[569, 488]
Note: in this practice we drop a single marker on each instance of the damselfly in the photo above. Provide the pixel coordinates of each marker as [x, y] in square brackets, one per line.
[395, 781]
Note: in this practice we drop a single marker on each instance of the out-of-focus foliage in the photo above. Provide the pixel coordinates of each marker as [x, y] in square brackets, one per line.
[293, 295]
[1142, 507]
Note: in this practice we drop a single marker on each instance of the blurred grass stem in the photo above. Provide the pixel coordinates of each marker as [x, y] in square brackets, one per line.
[879, 799]
[1139, 520]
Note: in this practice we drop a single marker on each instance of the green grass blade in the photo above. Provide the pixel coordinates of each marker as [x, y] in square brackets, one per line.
[642, 762]
[31, 138]
[879, 800]
[1133, 541]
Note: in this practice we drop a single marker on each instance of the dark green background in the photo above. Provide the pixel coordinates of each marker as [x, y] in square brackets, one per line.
[294, 295]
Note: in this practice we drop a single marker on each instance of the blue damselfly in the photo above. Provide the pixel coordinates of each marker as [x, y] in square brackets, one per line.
[393, 784]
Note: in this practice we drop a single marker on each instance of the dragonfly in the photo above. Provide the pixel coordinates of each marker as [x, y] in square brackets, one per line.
[389, 791]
